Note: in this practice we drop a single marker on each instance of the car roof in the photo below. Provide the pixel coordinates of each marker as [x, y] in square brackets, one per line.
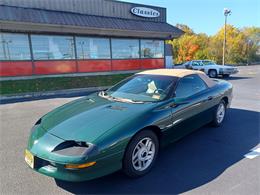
[180, 73]
[171, 72]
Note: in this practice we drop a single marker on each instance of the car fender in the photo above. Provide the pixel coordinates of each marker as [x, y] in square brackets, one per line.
[117, 138]
[212, 68]
[206, 70]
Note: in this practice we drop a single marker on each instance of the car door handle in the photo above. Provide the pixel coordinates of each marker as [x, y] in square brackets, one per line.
[173, 105]
[210, 98]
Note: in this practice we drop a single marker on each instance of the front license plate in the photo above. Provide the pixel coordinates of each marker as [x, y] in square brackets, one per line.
[29, 158]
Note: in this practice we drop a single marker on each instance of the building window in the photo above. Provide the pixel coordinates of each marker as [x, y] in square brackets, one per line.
[152, 48]
[14, 47]
[125, 48]
[52, 47]
[92, 48]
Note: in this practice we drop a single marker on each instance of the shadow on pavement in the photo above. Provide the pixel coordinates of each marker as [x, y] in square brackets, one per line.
[235, 78]
[187, 164]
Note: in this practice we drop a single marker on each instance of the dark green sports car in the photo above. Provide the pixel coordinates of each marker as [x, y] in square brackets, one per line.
[124, 126]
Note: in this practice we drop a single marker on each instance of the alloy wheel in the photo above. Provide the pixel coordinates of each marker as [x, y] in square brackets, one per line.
[220, 112]
[143, 154]
[212, 73]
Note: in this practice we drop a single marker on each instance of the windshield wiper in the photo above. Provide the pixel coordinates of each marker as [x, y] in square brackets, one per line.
[127, 100]
[109, 97]
[105, 95]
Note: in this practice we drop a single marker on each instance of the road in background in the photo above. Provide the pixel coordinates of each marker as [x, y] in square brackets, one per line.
[209, 161]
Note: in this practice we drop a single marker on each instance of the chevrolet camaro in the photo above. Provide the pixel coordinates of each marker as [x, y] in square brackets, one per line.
[125, 126]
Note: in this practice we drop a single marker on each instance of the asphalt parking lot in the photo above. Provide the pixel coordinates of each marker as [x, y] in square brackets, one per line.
[209, 161]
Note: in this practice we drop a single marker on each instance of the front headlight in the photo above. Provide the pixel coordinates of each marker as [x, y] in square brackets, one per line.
[36, 125]
[36, 132]
[75, 148]
[38, 122]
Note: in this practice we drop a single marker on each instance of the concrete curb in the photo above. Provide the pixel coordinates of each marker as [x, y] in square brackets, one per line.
[49, 94]
[86, 74]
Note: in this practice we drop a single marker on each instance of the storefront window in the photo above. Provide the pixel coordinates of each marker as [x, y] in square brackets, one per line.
[152, 48]
[52, 47]
[14, 47]
[125, 48]
[92, 48]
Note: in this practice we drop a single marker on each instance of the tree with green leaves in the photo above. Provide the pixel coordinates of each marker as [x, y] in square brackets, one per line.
[242, 45]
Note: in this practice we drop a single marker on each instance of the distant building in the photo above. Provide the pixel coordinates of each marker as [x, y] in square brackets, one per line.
[43, 37]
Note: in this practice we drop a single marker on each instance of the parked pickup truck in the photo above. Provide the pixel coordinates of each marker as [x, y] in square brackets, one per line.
[210, 68]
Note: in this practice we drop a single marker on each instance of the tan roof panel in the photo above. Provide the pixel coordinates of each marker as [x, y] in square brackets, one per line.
[171, 72]
[180, 73]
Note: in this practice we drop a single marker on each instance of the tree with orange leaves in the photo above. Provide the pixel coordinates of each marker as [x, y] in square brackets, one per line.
[187, 47]
[243, 45]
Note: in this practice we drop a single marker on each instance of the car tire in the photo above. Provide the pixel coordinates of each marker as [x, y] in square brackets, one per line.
[213, 73]
[219, 114]
[141, 154]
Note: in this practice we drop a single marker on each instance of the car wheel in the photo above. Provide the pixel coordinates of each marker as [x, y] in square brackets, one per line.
[212, 73]
[219, 114]
[141, 154]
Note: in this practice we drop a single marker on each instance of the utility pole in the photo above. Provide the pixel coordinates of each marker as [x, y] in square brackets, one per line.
[227, 12]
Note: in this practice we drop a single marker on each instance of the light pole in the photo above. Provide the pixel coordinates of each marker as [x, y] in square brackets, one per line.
[249, 45]
[227, 12]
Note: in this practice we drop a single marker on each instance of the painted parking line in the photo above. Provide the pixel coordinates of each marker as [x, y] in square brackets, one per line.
[252, 73]
[254, 153]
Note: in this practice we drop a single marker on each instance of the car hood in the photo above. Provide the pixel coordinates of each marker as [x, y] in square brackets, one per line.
[225, 66]
[88, 118]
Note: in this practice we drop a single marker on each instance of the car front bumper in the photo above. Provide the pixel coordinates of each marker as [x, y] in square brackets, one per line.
[231, 71]
[103, 166]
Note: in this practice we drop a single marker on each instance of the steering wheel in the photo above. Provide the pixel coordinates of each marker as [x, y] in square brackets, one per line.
[159, 91]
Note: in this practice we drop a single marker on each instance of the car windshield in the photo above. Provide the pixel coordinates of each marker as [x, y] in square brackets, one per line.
[141, 88]
[208, 63]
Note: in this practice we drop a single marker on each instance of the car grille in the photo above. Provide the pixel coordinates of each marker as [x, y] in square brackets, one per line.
[38, 163]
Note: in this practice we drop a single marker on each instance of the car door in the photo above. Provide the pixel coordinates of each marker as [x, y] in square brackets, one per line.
[191, 108]
[187, 65]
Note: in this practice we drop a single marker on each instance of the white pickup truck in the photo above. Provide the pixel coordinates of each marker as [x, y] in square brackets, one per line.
[210, 68]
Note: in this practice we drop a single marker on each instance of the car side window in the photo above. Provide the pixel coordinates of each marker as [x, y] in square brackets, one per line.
[189, 86]
[196, 63]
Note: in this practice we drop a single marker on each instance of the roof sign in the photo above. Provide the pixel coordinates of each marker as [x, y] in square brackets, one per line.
[145, 12]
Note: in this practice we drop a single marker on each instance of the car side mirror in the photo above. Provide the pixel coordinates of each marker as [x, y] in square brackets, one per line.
[179, 101]
[188, 66]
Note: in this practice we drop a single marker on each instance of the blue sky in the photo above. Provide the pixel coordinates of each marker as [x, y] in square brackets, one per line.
[207, 15]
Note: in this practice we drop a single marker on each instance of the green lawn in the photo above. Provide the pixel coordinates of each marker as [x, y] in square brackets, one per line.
[49, 84]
